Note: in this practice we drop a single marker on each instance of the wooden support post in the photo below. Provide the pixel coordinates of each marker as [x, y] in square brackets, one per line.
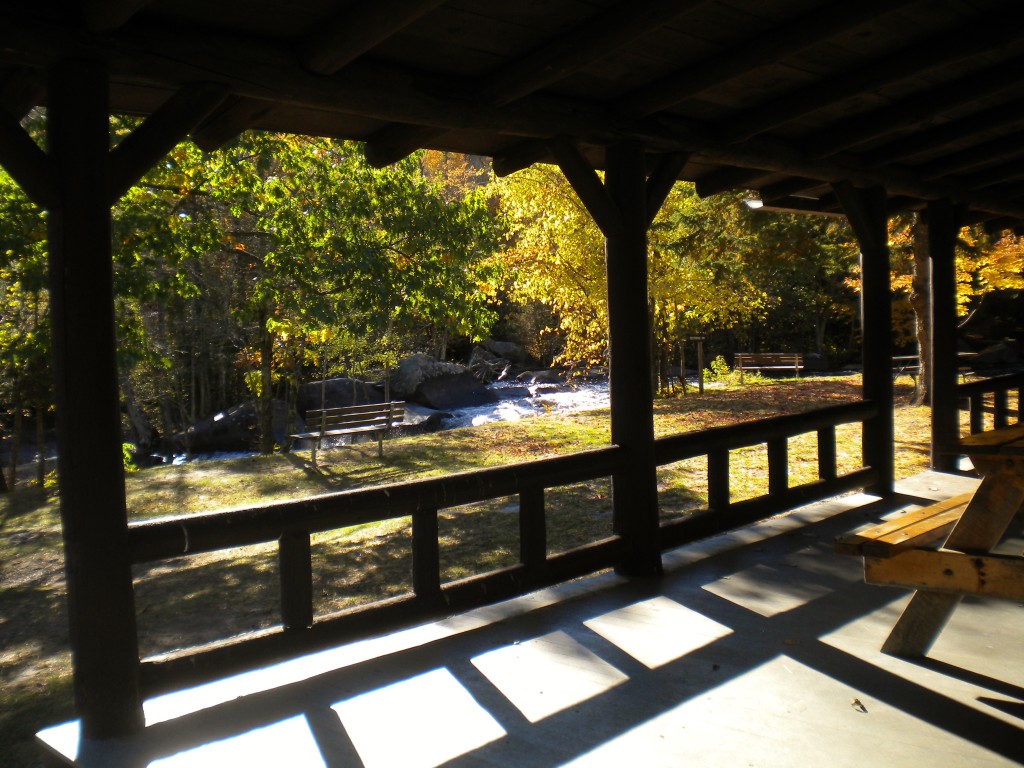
[635, 488]
[101, 611]
[718, 480]
[619, 207]
[942, 234]
[866, 211]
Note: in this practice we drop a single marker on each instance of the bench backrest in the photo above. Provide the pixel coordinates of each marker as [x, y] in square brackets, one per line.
[372, 415]
[754, 359]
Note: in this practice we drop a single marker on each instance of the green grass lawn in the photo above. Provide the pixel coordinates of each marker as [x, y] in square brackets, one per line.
[194, 600]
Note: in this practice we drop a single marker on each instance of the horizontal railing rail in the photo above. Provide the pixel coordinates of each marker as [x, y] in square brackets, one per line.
[291, 524]
[722, 513]
[991, 396]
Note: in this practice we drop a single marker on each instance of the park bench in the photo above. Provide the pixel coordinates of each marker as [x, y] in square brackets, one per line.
[910, 365]
[768, 361]
[374, 419]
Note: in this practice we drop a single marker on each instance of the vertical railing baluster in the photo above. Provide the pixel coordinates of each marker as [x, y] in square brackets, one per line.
[778, 466]
[295, 562]
[977, 413]
[1000, 408]
[533, 537]
[718, 480]
[827, 453]
[426, 557]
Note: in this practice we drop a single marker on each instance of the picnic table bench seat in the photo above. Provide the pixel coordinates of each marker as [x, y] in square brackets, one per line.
[910, 530]
[374, 418]
[768, 361]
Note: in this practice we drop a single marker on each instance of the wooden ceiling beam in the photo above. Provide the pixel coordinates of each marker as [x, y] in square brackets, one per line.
[559, 57]
[105, 15]
[231, 118]
[21, 88]
[522, 155]
[792, 186]
[253, 69]
[1003, 116]
[725, 179]
[393, 142]
[985, 154]
[999, 174]
[157, 136]
[554, 60]
[26, 162]
[765, 48]
[936, 51]
[358, 28]
[915, 110]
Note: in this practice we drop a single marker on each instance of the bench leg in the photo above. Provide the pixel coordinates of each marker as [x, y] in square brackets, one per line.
[380, 447]
[920, 623]
[316, 444]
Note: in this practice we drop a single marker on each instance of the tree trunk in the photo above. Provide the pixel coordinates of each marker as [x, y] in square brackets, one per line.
[19, 420]
[145, 434]
[919, 301]
[266, 403]
[40, 446]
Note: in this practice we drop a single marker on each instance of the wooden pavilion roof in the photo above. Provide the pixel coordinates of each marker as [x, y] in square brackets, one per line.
[922, 97]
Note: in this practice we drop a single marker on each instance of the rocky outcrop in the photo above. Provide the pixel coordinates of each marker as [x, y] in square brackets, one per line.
[234, 429]
[439, 385]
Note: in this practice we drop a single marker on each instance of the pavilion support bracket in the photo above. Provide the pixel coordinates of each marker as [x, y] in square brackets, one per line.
[867, 213]
[157, 136]
[26, 162]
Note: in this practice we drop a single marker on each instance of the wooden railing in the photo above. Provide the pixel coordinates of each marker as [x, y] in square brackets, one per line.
[291, 524]
[992, 397]
[723, 514]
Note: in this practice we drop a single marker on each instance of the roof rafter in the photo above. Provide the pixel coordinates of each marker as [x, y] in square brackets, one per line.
[935, 51]
[908, 113]
[552, 61]
[760, 50]
[358, 28]
[102, 15]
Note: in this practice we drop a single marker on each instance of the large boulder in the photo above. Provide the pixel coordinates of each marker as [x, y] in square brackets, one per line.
[507, 350]
[337, 393]
[439, 385]
[234, 429]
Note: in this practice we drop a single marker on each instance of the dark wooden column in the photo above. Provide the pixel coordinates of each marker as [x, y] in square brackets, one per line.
[942, 234]
[866, 211]
[621, 208]
[635, 489]
[100, 597]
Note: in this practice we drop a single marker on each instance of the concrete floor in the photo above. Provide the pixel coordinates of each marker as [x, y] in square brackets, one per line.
[757, 648]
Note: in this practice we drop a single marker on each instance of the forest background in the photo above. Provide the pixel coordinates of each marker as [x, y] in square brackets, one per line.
[280, 259]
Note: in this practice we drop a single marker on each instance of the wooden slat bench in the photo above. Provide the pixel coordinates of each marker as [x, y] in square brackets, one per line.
[910, 365]
[908, 531]
[373, 418]
[768, 361]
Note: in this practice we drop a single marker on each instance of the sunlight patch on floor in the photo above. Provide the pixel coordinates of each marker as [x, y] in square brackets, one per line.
[766, 591]
[289, 742]
[420, 722]
[657, 631]
[547, 674]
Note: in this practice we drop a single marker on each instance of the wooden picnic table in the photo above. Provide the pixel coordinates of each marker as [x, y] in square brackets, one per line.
[903, 552]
